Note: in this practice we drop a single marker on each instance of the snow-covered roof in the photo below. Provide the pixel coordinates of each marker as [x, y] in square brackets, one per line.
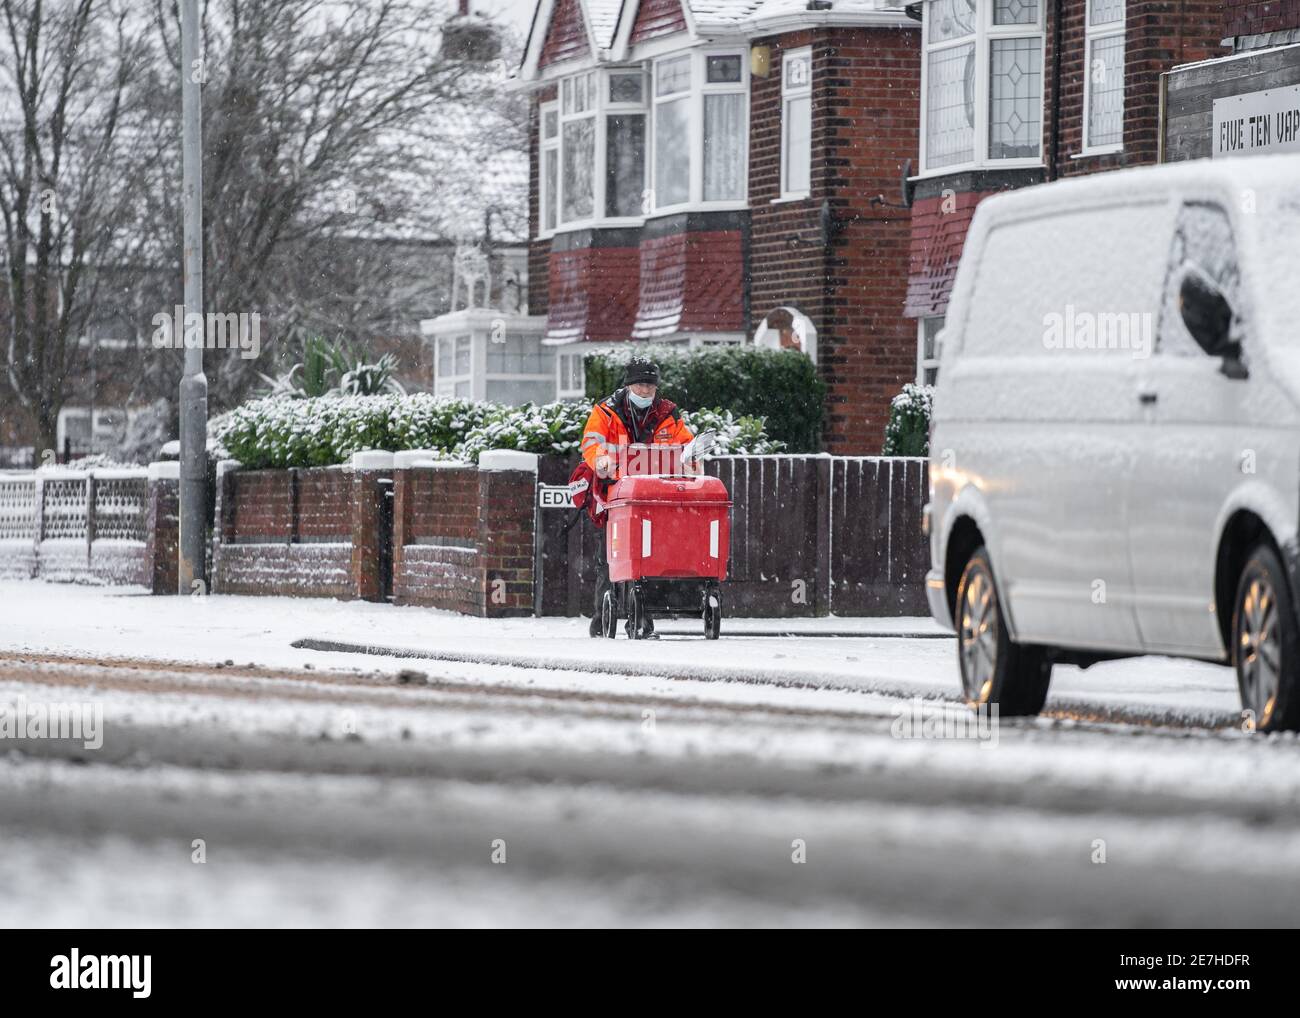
[744, 14]
[609, 22]
[602, 20]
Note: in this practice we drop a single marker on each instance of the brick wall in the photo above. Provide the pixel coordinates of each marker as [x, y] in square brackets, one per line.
[1159, 35]
[835, 256]
[871, 80]
[435, 528]
[286, 532]
[459, 538]
[463, 539]
[1255, 17]
[162, 544]
[261, 506]
[539, 251]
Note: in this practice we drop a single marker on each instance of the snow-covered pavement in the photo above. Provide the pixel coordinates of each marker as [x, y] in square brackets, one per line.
[896, 657]
[519, 773]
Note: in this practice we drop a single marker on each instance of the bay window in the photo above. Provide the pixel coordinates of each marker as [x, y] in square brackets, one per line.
[796, 123]
[592, 150]
[982, 83]
[1103, 90]
[682, 120]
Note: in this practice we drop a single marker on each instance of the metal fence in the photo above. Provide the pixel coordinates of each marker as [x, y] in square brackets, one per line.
[74, 526]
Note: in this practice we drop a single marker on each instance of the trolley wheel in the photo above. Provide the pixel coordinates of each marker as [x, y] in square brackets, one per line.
[712, 613]
[635, 612]
[608, 615]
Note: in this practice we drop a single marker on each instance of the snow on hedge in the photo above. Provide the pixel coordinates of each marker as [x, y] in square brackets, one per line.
[908, 430]
[327, 430]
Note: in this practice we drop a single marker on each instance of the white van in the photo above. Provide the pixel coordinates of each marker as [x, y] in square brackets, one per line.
[1115, 449]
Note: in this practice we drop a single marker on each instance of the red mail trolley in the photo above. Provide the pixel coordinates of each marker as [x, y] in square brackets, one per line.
[667, 538]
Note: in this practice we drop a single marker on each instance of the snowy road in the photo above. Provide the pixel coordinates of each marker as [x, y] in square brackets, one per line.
[517, 773]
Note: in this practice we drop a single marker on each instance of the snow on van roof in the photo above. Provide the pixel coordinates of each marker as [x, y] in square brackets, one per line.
[1256, 173]
[1261, 193]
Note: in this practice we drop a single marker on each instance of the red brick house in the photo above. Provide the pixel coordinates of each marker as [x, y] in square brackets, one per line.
[1016, 92]
[716, 171]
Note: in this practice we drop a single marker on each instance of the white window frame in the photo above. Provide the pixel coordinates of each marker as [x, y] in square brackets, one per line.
[1093, 34]
[573, 115]
[100, 429]
[924, 363]
[707, 88]
[656, 101]
[787, 95]
[695, 106]
[546, 201]
[445, 385]
[563, 363]
[983, 37]
[604, 109]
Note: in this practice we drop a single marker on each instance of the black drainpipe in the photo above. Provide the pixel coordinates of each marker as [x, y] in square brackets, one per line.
[1056, 90]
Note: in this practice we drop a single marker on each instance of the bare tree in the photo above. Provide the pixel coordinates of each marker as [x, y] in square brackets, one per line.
[336, 136]
[71, 145]
[317, 117]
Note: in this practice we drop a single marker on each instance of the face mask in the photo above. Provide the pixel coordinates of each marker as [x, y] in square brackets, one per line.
[640, 402]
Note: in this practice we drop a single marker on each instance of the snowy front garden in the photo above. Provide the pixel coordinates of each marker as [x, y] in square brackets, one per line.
[326, 430]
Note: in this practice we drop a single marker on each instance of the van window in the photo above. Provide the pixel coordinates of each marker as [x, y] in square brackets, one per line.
[1073, 282]
[1202, 237]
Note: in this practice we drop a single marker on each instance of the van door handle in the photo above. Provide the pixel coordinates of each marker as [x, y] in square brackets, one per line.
[1147, 397]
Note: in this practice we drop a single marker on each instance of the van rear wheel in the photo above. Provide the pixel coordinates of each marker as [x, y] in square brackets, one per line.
[993, 668]
[1266, 644]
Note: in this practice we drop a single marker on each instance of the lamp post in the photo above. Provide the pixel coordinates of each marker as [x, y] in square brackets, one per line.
[192, 552]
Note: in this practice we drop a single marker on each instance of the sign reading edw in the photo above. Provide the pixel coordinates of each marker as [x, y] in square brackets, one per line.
[1257, 123]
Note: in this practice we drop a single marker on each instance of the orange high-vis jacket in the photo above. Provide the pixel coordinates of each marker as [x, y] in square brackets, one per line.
[607, 430]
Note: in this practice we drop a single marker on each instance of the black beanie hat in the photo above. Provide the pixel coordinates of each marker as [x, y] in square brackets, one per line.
[641, 371]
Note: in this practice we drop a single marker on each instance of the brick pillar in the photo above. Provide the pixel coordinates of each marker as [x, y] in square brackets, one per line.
[163, 528]
[403, 505]
[223, 525]
[372, 478]
[507, 489]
